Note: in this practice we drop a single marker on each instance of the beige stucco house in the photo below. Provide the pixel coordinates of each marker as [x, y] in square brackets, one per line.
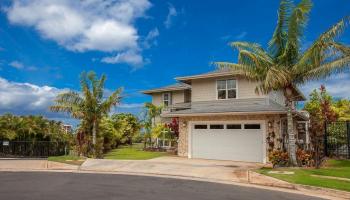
[222, 117]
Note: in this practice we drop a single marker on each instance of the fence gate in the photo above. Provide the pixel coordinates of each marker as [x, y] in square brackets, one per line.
[337, 139]
[32, 148]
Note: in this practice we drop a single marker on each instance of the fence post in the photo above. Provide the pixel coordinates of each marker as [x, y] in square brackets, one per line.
[348, 134]
[325, 139]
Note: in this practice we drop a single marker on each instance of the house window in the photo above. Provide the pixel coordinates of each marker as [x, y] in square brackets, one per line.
[234, 126]
[200, 126]
[251, 126]
[166, 99]
[216, 126]
[226, 89]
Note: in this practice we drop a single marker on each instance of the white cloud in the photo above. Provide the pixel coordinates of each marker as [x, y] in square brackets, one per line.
[337, 85]
[16, 64]
[150, 39]
[131, 57]
[25, 97]
[19, 65]
[171, 14]
[102, 25]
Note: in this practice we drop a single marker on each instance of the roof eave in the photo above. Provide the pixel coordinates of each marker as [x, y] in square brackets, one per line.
[222, 113]
[201, 76]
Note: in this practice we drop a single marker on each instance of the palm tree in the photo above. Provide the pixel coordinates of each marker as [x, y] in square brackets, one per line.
[284, 65]
[152, 112]
[89, 105]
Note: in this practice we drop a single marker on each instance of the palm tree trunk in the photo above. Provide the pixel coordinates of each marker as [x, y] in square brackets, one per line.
[94, 137]
[94, 133]
[291, 135]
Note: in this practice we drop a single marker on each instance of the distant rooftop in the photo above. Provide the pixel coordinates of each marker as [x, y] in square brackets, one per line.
[214, 73]
[173, 87]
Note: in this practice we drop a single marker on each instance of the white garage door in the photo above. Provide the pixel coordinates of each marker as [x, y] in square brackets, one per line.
[238, 141]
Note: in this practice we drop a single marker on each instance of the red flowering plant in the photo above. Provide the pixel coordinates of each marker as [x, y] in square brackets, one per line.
[174, 127]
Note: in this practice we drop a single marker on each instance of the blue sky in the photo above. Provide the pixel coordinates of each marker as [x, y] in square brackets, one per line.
[138, 44]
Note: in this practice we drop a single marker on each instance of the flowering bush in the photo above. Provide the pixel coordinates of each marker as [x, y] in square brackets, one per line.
[304, 158]
[278, 158]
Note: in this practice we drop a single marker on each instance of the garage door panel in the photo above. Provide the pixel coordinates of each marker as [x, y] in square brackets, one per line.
[228, 144]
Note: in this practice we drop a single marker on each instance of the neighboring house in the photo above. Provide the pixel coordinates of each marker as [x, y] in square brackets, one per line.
[222, 117]
[67, 128]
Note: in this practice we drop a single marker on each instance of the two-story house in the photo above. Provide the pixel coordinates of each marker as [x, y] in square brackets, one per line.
[222, 117]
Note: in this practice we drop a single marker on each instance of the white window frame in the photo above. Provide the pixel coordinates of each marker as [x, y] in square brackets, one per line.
[226, 89]
[169, 99]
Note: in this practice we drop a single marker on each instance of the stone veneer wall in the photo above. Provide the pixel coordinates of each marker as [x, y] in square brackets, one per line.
[183, 130]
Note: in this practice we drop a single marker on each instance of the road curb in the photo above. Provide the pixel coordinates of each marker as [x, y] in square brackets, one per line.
[333, 193]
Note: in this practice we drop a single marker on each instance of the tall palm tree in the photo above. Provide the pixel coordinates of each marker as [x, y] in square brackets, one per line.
[153, 112]
[89, 105]
[284, 65]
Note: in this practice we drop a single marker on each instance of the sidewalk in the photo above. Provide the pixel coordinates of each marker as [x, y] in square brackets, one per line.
[33, 164]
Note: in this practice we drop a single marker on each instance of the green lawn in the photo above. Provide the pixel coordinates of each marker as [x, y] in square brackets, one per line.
[334, 168]
[73, 160]
[133, 152]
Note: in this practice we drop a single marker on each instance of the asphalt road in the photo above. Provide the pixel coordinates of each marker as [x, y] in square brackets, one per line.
[62, 186]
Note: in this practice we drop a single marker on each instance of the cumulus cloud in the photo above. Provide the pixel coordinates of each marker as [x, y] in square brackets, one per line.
[102, 25]
[171, 14]
[131, 57]
[337, 85]
[26, 98]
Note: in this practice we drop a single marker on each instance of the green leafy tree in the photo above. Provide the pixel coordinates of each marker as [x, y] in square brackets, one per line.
[284, 65]
[89, 105]
[128, 124]
[321, 111]
[342, 108]
[31, 128]
[112, 136]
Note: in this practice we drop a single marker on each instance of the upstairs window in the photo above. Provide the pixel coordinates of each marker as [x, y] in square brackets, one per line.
[167, 99]
[226, 89]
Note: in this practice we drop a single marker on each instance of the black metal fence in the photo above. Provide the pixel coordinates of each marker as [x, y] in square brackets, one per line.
[337, 139]
[32, 148]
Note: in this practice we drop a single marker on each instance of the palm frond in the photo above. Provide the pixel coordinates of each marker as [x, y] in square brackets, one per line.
[325, 70]
[253, 60]
[276, 78]
[111, 101]
[316, 53]
[278, 40]
[296, 25]
[251, 47]
[240, 69]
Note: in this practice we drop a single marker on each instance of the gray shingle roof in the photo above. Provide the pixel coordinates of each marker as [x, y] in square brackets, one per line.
[231, 106]
[173, 87]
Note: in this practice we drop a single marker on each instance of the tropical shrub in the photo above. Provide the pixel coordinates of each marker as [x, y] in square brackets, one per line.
[304, 158]
[278, 158]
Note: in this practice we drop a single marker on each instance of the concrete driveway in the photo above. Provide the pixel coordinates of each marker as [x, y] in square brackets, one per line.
[175, 166]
